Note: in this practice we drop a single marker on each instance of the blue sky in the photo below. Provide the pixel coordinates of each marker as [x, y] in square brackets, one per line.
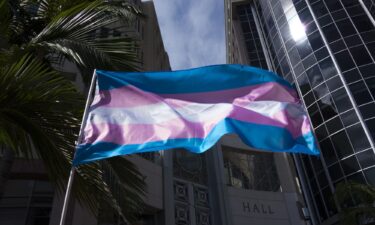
[192, 31]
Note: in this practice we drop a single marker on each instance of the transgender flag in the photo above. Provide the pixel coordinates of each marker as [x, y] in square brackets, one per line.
[192, 109]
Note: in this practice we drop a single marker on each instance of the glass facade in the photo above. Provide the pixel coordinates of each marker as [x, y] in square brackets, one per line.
[326, 48]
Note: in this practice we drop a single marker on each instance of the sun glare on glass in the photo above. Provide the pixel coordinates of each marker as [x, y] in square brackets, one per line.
[297, 29]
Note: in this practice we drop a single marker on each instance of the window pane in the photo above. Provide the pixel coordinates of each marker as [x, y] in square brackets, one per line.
[352, 75]
[370, 175]
[358, 137]
[334, 125]
[360, 92]
[342, 145]
[334, 83]
[342, 100]
[344, 60]
[368, 110]
[321, 132]
[349, 117]
[314, 76]
[328, 151]
[328, 68]
[335, 172]
[366, 158]
[350, 165]
[360, 55]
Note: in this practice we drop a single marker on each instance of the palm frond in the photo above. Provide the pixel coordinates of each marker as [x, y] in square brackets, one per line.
[72, 35]
[40, 118]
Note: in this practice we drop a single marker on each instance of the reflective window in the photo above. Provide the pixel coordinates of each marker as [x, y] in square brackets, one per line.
[335, 172]
[366, 158]
[317, 163]
[321, 53]
[337, 46]
[346, 28]
[309, 61]
[328, 68]
[303, 84]
[331, 33]
[344, 60]
[338, 15]
[370, 175]
[333, 5]
[325, 20]
[314, 75]
[360, 55]
[358, 137]
[367, 70]
[350, 117]
[304, 49]
[316, 40]
[371, 126]
[342, 145]
[322, 179]
[350, 165]
[362, 23]
[334, 125]
[352, 40]
[371, 84]
[309, 98]
[328, 151]
[321, 132]
[342, 100]
[360, 92]
[368, 110]
[334, 83]
[352, 75]
[327, 108]
[321, 91]
[357, 177]
[315, 116]
[368, 36]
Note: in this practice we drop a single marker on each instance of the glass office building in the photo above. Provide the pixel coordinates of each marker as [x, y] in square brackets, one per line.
[327, 49]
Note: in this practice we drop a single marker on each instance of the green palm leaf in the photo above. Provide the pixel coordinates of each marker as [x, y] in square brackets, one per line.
[40, 117]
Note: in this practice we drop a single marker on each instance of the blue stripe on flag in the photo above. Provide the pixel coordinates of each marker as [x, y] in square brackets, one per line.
[203, 79]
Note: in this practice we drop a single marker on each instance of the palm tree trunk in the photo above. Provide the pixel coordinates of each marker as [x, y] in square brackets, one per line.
[6, 163]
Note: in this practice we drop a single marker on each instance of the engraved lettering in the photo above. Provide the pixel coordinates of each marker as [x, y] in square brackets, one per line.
[264, 211]
[255, 208]
[246, 206]
[270, 210]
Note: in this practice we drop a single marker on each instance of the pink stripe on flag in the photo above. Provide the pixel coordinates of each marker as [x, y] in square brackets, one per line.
[130, 96]
[180, 128]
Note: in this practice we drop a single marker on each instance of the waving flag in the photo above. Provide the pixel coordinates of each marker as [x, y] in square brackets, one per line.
[192, 109]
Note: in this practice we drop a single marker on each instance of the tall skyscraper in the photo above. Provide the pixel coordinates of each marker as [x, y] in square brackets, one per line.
[327, 49]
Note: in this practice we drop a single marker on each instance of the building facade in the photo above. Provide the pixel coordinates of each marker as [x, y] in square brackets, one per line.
[29, 198]
[327, 49]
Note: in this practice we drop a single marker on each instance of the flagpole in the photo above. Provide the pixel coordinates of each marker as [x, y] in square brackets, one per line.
[72, 170]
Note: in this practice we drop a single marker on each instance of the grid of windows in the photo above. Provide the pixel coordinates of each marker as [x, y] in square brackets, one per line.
[251, 37]
[306, 60]
[370, 4]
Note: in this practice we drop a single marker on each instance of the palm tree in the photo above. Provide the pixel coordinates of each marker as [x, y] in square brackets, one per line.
[357, 203]
[41, 110]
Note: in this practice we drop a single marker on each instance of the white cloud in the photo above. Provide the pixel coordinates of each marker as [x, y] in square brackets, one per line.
[193, 31]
